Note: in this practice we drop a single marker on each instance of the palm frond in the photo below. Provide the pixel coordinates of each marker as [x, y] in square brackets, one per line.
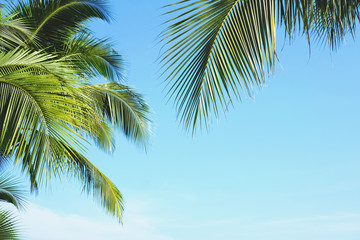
[8, 226]
[48, 110]
[33, 99]
[214, 49]
[13, 31]
[68, 162]
[12, 194]
[39, 105]
[27, 62]
[10, 191]
[94, 57]
[42, 115]
[55, 20]
[320, 20]
[122, 107]
[94, 181]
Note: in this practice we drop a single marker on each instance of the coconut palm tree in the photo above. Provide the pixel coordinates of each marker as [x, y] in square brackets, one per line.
[49, 110]
[218, 50]
[11, 194]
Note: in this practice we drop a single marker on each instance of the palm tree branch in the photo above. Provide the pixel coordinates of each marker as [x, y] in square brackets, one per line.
[93, 180]
[9, 190]
[123, 108]
[221, 45]
[8, 225]
[94, 57]
[61, 8]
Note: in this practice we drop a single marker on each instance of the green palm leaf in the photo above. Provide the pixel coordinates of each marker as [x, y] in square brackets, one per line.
[49, 112]
[94, 57]
[13, 31]
[9, 191]
[47, 116]
[56, 20]
[71, 163]
[215, 50]
[94, 181]
[321, 20]
[8, 226]
[29, 98]
[123, 108]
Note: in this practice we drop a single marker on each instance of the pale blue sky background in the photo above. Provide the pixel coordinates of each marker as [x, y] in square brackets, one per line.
[284, 165]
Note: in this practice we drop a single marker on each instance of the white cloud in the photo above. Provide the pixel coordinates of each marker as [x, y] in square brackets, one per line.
[43, 224]
[345, 226]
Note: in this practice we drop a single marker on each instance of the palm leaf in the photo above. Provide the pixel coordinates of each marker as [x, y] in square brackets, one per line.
[56, 20]
[43, 114]
[33, 99]
[94, 181]
[321, 20]
[48, 110]
[12, 194]
[8, 226]
[13, 31]
[71, 163]
[94, 57]
[214, 49]
[9, 191]
[123, 108]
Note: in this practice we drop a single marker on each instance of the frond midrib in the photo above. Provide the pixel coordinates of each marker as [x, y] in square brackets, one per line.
[212, 43]
[219, 30]
[51, 15]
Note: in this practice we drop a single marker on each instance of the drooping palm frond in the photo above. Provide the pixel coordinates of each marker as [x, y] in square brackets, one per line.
[8, 226]
[60, 30]
[94, 57]
[47, 152]
[69, 162]
[63, 160]
[47, 117]
[37, 104]
[29, 98]
[13, 31]
[123, 108]
[48, 110]
[320, 20]
[56, 20]
[93, 180]
[33, 99]
[18, 61]
[10, 191]
[214, 50]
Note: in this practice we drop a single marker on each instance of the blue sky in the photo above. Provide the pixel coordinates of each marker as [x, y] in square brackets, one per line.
[282, 165]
